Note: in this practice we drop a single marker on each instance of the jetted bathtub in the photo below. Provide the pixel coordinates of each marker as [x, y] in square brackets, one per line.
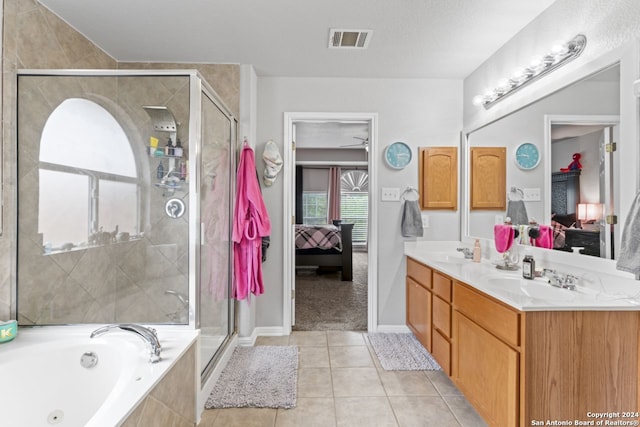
[44, 382]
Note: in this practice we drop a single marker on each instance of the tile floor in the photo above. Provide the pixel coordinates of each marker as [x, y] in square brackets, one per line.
[341, 383]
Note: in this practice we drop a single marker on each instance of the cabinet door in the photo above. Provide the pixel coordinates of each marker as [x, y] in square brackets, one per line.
[419, 312]
[438, 180]
[486, 371]
[488, 178]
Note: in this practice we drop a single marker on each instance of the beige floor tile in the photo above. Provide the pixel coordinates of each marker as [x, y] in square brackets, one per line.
[339, 338]
[407, 383]
[443, 384]
[309, 412]
[272, 340]
[356, 382]
[422, 411]
[464, 412]
[364, 411]
[245, 417]
[350, 357]
[308, 338]
[313, 357]
[208, 417]
[314, 382]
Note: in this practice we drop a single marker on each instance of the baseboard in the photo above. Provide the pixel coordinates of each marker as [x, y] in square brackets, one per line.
[396, 329]
[265, 331]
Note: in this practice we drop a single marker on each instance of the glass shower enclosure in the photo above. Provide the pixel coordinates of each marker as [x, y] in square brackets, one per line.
[125, 185]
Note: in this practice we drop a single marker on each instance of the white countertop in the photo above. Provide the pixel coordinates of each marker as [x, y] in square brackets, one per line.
[592, 293]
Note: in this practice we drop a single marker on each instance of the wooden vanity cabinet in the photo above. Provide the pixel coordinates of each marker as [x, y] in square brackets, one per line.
[419, 301]
[486, 355]
[518, 367]
[488, 181]
[438, 177]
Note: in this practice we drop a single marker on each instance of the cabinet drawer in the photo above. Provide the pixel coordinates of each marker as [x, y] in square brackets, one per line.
[442, 286]
[442, 316]
[441, 351]
[419, 272]
[493, 316]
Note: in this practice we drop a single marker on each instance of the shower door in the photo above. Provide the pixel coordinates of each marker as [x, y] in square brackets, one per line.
[216, 173]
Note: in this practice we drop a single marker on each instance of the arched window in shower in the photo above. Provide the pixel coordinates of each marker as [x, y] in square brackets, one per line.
[88, 180]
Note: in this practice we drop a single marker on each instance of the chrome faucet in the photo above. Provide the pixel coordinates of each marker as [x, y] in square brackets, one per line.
[468, 253]
[148, 335]
[560, 280]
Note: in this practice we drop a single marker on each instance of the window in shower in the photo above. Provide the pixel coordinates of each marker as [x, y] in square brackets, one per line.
[88, 179]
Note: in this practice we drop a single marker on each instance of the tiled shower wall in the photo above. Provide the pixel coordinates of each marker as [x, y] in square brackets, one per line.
[34, 38]
[120, 281]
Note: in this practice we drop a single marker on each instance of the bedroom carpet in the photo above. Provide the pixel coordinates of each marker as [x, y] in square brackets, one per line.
[402, 352]
[325, 303]
[257, 377]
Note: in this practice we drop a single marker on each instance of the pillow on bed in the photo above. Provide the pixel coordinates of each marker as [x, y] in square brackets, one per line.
[566, 220]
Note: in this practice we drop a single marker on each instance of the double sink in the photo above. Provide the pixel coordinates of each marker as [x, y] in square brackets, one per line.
[521, 293]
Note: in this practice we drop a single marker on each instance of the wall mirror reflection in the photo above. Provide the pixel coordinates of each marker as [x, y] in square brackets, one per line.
[580, 119]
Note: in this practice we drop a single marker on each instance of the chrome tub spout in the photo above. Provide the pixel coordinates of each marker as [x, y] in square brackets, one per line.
[146, 334]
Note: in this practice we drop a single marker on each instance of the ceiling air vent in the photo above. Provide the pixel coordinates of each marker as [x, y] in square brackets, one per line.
[354, 39]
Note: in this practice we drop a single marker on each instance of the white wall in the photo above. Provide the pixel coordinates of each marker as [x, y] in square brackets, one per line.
[417, 111]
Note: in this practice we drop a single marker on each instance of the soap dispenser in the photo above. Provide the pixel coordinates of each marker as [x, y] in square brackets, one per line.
[477, 251]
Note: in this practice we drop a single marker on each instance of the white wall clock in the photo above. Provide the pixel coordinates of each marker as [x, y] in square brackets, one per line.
[527, 156]
[397, 155]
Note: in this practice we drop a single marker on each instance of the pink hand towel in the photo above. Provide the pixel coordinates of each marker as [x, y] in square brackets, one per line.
[545, 239]
[503, 237]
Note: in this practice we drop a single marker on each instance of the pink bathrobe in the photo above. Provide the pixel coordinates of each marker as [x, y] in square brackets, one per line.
[250, 224]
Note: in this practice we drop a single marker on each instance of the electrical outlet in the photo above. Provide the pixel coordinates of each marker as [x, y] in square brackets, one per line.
[425, 220]
[531, 194]
[390, 194]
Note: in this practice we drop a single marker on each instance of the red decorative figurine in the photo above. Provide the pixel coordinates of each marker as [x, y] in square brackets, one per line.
[574, 165]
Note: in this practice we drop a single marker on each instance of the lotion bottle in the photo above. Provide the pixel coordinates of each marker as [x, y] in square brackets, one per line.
[477, 251]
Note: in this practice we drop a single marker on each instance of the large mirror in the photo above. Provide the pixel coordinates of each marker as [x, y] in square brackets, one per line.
[572, 187]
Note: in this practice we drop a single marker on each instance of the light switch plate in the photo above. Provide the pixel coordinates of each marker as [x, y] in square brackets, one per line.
[531, 194]
[390, 194]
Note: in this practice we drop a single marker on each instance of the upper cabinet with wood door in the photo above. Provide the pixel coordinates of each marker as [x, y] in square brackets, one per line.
[488, 178]
[438, 177]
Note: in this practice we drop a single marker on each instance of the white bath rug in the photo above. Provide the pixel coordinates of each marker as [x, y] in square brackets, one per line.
[257, 377]
[402, 352]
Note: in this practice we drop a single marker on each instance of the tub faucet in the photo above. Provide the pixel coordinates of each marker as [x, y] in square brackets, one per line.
[468, 253]
[148, 335]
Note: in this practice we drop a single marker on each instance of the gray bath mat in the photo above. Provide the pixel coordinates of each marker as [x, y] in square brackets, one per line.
[257, 377]
[402, 352]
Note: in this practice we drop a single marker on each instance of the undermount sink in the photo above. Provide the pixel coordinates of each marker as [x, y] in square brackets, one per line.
[531, 289]
[449, 259]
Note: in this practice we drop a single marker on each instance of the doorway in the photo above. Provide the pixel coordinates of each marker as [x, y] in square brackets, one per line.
[582, 158]
[341, 145]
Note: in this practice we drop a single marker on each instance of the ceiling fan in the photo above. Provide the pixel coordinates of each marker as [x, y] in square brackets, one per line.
[364, 143]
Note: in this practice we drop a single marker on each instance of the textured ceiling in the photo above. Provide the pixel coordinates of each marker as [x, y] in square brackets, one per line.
[411, 38]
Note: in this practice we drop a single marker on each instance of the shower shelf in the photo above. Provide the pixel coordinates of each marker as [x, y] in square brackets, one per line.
[168, 186]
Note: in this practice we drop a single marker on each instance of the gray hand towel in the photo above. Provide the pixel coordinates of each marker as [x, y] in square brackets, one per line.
[411, 219]
[629, 256]
[517, 211]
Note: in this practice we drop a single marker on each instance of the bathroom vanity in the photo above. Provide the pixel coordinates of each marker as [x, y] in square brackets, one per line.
[520, 350]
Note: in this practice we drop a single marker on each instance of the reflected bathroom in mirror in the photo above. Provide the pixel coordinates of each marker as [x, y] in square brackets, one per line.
[582, 119]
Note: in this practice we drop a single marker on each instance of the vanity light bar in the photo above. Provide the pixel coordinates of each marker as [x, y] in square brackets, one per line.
[559, 55]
